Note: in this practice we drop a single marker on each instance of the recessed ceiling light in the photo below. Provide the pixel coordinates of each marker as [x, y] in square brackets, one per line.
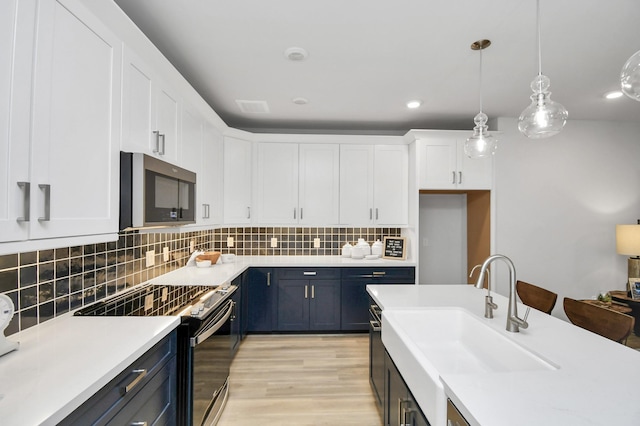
[613, 95]
[300, 101]
[296, 54]
[414, 104]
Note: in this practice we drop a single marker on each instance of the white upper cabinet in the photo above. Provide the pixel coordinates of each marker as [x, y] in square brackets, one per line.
[391, 185]
[210, 177]
[16, 43]
[442, 164]
[72, 185]
[319, 184]
[237, 183]
[374, 185]
[298, 184]
[277, 183]
[150, 112]
[191, 153]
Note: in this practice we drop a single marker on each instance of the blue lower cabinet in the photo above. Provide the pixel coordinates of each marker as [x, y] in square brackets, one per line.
[355, 300]
[308, 299]
[144, 393]
[400, 408]
[261, 300]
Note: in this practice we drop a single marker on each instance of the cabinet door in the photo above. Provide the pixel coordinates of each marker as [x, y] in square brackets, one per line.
[138, 105]
[391, 185]
[319, 180]
[167, 123]
[395, 394]
[324, 308]
[76, 124]
[237, 181]
[356, 184]
[191, 154]
[355, 305]
[477, 173]
[211, 175]
[260, 299]
[17, 26]
[293, 305]
[437, 164]
[277, 196]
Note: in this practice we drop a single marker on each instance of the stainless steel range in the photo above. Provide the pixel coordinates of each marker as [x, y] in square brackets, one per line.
[204, 340]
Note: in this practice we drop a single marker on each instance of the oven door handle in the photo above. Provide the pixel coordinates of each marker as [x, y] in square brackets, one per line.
[214, 326]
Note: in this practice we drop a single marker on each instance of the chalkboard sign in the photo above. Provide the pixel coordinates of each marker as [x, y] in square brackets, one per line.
[394, 248]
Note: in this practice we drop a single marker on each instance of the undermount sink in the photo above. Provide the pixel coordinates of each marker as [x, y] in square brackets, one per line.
[455, 341]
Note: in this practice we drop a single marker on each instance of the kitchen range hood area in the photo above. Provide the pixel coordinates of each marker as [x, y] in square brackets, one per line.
[91, 106]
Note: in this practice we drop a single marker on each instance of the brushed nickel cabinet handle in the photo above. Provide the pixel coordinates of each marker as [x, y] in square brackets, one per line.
[453, 173]
[301, 213]
[268, 279]
[370, 214]
[141, 373]
[26, 201]
[306, 287]
[459, 177]
[310, 273]
[156, 134]
[164, 145]
[313, 291]
[294, 212]
[46, 188]
[376, 213]
[248, 212]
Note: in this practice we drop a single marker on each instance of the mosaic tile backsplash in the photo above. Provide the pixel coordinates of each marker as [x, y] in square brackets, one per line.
[46, 283]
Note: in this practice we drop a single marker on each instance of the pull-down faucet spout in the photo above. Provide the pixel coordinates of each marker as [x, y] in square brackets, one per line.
[489, 306]
[513, 321]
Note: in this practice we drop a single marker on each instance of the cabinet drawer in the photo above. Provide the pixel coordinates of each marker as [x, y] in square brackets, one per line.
[399, 275]
[124, 388]
[307, 273]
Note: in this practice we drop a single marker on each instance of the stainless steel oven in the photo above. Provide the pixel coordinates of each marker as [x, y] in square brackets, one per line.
[210, 353]
[204, 341]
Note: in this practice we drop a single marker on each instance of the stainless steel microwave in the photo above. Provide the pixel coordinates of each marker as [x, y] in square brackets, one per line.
[155, 193]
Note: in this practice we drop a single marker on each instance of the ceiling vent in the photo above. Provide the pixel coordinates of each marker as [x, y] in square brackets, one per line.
[253, 107]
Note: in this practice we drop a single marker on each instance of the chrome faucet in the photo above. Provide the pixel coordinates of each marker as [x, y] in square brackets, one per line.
[489, 306]
[513, 321]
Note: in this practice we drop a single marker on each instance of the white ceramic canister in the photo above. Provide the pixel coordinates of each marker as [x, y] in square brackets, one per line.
[376, 248]
[357, 253]
[346, 250]
[366, 248]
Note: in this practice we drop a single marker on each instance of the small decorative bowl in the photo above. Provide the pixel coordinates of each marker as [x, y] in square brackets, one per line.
[213, 256]
[203, 263]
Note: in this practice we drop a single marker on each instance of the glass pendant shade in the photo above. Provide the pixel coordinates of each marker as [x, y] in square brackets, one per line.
[481, 144]
[543, 117]
[630, 77]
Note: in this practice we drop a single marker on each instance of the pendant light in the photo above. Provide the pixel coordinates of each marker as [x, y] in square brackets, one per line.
[481, 144]
[544, 117]
[630, 77]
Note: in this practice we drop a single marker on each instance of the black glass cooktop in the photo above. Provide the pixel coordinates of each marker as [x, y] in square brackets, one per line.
[148, 300]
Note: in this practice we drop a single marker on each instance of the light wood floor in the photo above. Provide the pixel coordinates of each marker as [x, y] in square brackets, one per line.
[302, 380]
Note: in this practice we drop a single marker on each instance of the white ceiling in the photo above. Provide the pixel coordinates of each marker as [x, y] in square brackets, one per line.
[367, 58]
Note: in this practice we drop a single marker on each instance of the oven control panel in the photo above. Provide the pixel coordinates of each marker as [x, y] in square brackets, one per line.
[211, 300]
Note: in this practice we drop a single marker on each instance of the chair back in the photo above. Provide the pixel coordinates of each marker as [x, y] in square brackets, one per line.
[536, 297]
[605, 322]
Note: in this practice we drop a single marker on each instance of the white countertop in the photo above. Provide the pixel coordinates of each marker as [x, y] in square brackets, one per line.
[63, 362]
[594, 384]
[224, 272]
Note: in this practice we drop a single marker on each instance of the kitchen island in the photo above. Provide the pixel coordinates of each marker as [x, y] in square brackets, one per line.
[580, 379]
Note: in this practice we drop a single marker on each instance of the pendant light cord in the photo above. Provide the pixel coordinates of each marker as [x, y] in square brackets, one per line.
[538, 36]
[480, 74]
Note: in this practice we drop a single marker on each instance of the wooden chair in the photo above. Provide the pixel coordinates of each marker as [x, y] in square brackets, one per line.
[536, 297]
[605, 322]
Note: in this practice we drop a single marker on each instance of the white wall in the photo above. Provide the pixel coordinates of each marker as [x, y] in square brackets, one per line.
[443, 239]
[557, 202]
